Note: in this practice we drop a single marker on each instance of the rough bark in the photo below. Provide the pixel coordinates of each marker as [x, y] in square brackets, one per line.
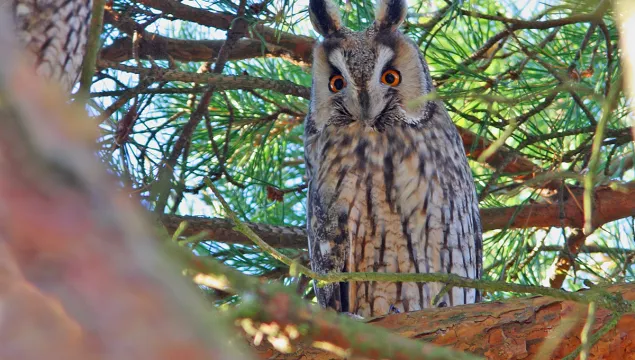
[290, 237]
[163, 48]
[507, 330]
[609, 205]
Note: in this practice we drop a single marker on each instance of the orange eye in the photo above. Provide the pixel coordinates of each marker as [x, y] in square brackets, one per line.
[337, 83]
[391, 77]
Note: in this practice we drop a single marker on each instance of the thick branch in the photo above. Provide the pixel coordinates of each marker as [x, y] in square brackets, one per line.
[163, 48]
[290, 237]
[513, 329]
[300, 46]
[274, 310]
[610, 205]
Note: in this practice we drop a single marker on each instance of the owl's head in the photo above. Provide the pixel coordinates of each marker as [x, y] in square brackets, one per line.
[366, 76]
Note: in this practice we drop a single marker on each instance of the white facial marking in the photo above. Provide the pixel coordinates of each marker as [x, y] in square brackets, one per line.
[384, 55]
[337, 59]
[376, 87]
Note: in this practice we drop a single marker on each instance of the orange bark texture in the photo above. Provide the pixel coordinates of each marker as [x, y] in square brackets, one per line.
[508, 330]
[608, 205]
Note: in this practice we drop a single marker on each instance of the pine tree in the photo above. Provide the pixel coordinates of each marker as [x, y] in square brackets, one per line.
[197, 97]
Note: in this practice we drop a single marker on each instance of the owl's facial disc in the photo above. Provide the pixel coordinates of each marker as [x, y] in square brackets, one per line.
[366, 76]
[364, 85]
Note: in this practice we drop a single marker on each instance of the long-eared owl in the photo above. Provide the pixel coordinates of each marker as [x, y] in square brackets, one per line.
[55, 32]
[390, 189]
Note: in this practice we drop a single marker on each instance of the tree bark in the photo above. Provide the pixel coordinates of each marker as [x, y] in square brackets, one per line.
[300, 46]
[506, 330]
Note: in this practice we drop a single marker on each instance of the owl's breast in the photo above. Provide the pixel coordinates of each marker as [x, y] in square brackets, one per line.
[398, 197]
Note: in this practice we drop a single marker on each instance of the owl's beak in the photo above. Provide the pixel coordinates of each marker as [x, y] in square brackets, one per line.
[364, 103]
[369, 109]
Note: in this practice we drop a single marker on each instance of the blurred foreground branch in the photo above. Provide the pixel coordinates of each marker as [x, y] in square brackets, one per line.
[288, 321]
[82, 277]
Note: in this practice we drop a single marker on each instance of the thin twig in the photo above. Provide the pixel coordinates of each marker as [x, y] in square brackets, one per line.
[589, 178]
[92, 50]
[221, 82]
[586, 333]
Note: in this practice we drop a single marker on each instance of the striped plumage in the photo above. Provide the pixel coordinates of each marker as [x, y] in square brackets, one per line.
[56, 32]
[390, 189]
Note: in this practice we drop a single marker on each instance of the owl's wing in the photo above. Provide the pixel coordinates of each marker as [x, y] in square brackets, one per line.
[327, 238]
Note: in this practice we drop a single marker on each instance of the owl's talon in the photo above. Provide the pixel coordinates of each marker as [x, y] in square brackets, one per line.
[354, 316]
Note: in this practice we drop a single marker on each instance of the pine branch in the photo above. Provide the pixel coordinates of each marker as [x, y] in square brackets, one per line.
[598, 139]
[610, 205]
[512, 163]
[92, 49]
[272, 310]
[220, 82]
[297, 269]
[161, 189]
[566, 258]
[277, 307]
[513, 25]
[160, 47]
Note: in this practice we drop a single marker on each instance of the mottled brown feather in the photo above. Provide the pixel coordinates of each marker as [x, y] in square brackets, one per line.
[56, 32]
[391, 191]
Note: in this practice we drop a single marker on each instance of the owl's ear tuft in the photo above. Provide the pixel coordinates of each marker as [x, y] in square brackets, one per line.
[325, 16]
[391, 13]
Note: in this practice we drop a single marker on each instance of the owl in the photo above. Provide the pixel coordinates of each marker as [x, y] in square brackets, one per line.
[389, 186]
[56, 32]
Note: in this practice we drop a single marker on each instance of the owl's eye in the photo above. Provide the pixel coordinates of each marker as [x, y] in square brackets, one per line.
[337, 83]
[391, 77]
